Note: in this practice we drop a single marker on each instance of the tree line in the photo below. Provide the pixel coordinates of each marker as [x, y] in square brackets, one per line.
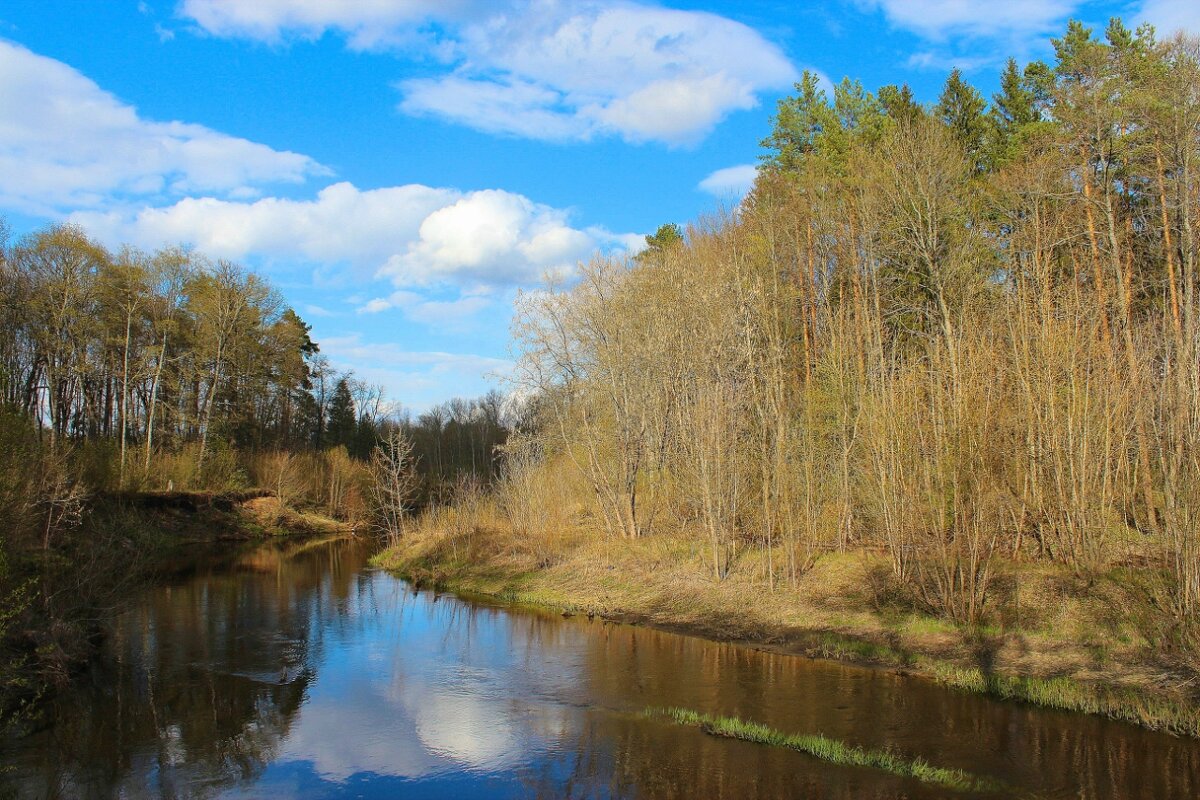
[149, 351]
[957, 335]
[138, 354]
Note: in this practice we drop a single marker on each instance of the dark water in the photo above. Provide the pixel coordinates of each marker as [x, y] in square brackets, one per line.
[297, 671]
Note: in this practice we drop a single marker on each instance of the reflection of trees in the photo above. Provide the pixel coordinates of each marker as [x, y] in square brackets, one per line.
[205, 682]
[609, 673]
[1077, 755]
[626, 756]
[201, 681]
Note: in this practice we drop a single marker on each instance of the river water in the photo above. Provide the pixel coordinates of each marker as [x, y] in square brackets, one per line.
[296, 670]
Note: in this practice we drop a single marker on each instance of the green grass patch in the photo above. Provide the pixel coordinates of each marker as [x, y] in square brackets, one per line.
[1065, 694]
[830, 750]
[844, 648]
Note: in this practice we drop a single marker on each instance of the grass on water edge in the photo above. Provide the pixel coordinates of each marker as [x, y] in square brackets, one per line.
[1060, 693]
[1065, 694]
[830, 750]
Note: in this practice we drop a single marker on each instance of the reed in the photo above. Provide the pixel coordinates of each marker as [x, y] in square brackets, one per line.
[830, 750]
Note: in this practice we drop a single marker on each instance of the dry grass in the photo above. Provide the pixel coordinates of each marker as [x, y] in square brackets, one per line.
[277, 519]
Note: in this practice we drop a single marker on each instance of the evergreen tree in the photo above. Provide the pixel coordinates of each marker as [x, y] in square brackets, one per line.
[340, 429]
[1017, 109]
[1014, 105]
[1079, 55]
[667, 236]
[859, 115]
[799, 123]
[898, 104]
[961, 108]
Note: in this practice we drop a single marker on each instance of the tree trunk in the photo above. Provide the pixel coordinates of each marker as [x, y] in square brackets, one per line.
[154, 402]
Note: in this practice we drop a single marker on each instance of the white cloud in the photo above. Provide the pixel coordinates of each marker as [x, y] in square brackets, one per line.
[1010, 27]
[418, 379]
[314, 310]
[415, 235]
[730, 181]
[1169, 16]
[342, 223]
[444, 314]
[367, 24]
[376, 305]
[508, 106]
[976, 34]
[66, 143]
[941, 19]
[491, 236]
[352, 348]
[677, 109]
[946, 61]
[546, 69]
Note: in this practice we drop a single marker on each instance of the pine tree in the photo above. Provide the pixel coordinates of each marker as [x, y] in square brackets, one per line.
[1013, 106]
[898, 104]
[1015, 109]
[342, 420]
[799, 123]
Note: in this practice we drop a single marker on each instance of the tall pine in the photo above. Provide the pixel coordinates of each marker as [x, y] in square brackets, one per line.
[962, 109]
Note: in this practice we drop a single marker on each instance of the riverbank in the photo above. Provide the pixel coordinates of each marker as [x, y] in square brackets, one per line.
[1060, 641]
[58, 602]
[182, 518]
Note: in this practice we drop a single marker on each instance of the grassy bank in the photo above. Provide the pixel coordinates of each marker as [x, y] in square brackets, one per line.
[826, 749]
[1076, 646]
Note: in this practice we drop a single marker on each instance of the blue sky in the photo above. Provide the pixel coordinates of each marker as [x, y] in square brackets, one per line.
[400, 168]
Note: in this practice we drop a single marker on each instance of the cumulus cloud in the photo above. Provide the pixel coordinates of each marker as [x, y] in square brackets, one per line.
[414, 235]
[491, 236]
[342, 223]
[546, 69]
[66, 143]
[730, 181]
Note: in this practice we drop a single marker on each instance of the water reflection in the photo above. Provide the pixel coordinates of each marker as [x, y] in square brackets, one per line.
[294, 671]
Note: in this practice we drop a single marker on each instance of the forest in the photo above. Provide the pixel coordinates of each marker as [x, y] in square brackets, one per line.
[949, 350]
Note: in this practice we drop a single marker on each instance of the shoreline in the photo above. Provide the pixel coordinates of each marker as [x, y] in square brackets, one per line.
[149, 538]
[976, 661]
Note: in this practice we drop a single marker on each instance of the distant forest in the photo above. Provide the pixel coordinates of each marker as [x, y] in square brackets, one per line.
[129, 357]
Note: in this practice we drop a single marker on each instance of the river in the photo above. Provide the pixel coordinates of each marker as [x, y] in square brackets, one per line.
[294, 670]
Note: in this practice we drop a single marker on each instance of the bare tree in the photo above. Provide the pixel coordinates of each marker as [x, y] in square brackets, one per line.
[393, 483]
